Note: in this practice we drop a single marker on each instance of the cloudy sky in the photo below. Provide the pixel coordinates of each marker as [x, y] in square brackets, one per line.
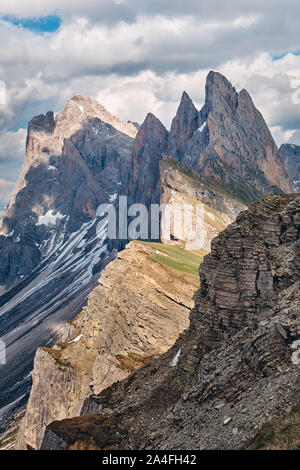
[137, 56]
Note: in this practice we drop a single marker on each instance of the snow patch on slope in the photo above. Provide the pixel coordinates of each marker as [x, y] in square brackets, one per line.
[49, 218]
[175, 359]
[201, 128]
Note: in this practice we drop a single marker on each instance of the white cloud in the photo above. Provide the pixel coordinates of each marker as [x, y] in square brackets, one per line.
[12, 148]
[280, 136]
[6, 190]
[136, 57]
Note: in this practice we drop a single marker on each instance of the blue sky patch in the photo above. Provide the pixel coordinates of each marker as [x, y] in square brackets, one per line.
[278, 57]
[43, 24]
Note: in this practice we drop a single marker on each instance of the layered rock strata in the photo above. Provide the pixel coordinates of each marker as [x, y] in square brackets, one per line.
[233, 370]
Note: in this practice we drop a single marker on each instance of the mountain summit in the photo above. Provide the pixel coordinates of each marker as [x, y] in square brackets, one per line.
[228, 141]
[183, 126]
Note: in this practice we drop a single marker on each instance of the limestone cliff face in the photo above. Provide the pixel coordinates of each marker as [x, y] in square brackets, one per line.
[141, 305]
[182, 187]
[232, 371]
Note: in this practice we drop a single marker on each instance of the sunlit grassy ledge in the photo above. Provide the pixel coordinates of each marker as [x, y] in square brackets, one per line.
[176, 257]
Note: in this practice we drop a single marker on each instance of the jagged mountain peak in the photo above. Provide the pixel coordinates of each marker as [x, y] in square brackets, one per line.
[151, 121]
[151, 133]
[148, 148]
[233, 138]
[183, 125]
[218, 80]
[186, 106]
[220, 95]
[42, 123]
[185, 98]
[47, 137]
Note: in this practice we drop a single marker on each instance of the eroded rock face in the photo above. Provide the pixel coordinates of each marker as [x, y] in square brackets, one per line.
[51, 252]
[232, 370]
[290, 155]
[136, 313]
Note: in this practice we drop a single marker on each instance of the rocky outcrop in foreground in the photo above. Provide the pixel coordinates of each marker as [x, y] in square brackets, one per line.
[141, 305]
[232, 371]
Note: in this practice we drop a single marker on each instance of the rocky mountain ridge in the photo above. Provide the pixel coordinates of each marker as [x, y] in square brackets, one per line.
[136, 313]
[232, 370]
[125, 321]
[182, 187]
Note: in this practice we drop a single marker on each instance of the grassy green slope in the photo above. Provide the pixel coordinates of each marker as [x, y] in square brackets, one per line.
[173, 256]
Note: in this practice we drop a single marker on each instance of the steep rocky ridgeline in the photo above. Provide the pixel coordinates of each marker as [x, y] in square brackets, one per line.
[232, 370]
[118, 339]
[182, 187]
[290, 155]
[141, 305]
[229, 142]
